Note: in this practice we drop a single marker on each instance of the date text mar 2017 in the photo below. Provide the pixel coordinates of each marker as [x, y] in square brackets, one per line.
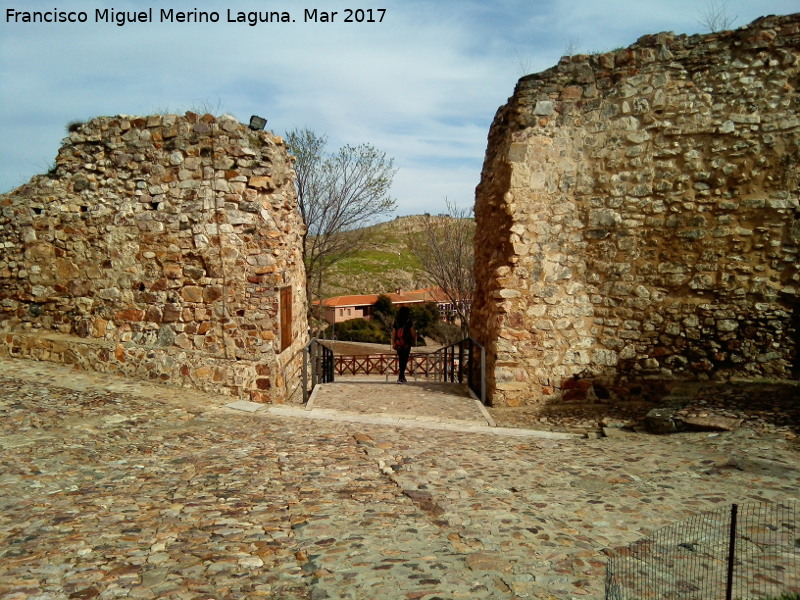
[349, 15]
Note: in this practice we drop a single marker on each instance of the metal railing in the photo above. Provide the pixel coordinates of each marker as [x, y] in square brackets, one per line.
[742, 552]
[422, 364]
[367, 364]
[462, 362]
[317, 366]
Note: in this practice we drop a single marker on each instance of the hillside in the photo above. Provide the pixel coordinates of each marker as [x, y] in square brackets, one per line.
[384, 266]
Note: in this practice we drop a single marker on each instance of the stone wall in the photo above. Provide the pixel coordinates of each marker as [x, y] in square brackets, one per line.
[638, 217]
[162, 248]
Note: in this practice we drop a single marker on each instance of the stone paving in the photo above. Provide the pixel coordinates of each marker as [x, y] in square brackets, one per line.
[414, 400]
[115, 489]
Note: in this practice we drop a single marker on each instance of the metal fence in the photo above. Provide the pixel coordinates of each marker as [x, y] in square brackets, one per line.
[317, 366]
[744, 552]
[462, 362]
[378, 364]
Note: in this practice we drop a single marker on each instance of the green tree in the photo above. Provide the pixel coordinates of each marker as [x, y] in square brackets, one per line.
[425, 317]
[383, 312]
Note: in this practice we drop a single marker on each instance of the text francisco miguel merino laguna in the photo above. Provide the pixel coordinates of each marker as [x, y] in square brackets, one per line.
[170, 15]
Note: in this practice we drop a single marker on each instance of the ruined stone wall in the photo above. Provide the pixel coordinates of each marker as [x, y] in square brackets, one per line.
[161, 248]
[638, 216]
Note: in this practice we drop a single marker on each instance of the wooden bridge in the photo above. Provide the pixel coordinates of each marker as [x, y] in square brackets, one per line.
[462, 362]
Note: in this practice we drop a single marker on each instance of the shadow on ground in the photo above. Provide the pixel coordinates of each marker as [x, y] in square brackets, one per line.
[761, 406]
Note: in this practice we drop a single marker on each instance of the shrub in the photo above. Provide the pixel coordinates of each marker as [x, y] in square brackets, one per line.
[447, 333]
[361, 330]
[425, 318]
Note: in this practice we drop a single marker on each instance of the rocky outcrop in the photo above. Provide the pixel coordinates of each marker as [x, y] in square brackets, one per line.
[638, 216]
[163, 247]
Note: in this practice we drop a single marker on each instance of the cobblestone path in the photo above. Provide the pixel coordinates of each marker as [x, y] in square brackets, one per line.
[115, 490]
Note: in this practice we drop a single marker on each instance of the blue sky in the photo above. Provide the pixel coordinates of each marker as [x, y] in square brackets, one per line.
[423, 85]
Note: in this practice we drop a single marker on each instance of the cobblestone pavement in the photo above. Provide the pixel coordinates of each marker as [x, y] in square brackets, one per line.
[419, 403]
[112, 489]
[371, 395]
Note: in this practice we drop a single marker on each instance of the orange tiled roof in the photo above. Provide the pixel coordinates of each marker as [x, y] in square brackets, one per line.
[435, 294]
[350, 300]
[432, 294]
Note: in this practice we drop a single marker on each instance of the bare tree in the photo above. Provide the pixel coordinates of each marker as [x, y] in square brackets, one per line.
[338, 194]
[444, 246]
[524, 64]
[715, 17]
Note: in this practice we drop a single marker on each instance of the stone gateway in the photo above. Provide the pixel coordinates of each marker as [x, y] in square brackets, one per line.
[638, 217]
[164, 248]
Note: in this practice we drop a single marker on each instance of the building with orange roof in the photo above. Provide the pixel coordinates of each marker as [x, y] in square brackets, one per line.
[344, 308]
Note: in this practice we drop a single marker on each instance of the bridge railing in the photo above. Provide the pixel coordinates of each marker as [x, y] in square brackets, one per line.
[462, 362]
[318, 366]
[366, 364]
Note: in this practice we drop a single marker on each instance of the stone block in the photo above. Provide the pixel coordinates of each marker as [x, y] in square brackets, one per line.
[246, 406]
[192, 293]
[544, 108]
[262, 183]
[489, 561]
[711, 423]
[726, 325]
[604, 217]
[662, 421]
[130, 315]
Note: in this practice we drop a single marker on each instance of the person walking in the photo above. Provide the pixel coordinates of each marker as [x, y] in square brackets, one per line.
[403, 339]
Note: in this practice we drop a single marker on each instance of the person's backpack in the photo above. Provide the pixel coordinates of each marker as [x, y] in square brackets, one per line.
[402, 338]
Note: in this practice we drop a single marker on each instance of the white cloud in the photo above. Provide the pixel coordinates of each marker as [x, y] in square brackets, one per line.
[423, 85]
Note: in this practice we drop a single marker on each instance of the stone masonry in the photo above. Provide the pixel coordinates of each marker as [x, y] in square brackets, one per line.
[164, 248]
[638, 217]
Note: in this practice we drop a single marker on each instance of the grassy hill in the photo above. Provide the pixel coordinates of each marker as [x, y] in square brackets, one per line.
[383, 266]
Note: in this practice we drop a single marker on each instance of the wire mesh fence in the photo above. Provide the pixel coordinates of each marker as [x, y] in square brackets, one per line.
[740, 552]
